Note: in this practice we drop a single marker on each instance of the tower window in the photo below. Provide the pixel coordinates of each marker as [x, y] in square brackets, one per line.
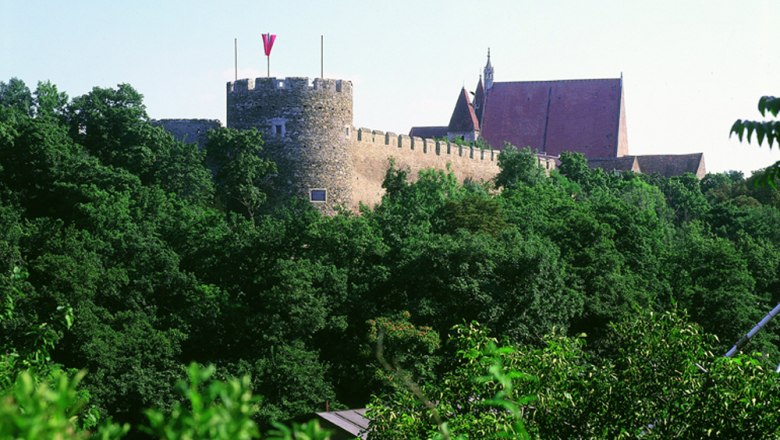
[318, 195]
[278, 128]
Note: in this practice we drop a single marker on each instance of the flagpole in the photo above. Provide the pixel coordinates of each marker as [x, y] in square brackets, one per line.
[268, 58]
[268, 43]
[322, 57]
[235, 56]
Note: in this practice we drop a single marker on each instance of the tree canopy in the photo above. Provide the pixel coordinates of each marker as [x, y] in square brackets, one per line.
[133, 256]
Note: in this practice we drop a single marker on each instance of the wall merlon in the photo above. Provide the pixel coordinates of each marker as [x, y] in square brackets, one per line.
[391, 139]
[242, 85]
[430, 145]
[332, 85]
[416, 143]
[365, 135]
[266, 83]
[296, 83]
[324, 84]
[291, 83]
[404, 141]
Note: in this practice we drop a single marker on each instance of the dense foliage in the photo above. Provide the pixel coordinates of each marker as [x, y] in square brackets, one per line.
[123, 255]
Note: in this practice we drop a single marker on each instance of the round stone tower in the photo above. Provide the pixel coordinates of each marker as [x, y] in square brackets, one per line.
[306, 127]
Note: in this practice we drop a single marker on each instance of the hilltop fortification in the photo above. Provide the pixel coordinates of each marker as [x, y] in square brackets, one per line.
[309, 132]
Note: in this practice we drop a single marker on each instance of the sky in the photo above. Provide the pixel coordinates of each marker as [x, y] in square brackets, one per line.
[690, 68]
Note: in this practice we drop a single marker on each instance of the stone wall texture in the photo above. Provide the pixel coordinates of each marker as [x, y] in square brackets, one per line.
[306, 128]
[371, 152]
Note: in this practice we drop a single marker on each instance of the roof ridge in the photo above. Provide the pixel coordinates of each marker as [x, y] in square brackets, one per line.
[557, 80]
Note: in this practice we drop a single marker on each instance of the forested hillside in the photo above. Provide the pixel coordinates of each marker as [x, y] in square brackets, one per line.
[129, 256]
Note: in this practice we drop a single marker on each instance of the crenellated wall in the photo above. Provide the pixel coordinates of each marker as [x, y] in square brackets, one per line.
[372, 150]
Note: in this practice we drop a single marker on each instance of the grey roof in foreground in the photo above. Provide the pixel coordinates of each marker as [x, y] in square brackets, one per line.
[353, 421]
[429, 132]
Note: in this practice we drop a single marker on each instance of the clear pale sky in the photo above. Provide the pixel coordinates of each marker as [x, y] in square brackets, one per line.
[690, 68]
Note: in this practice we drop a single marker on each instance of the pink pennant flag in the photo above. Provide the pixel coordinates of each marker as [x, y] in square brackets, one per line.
[268, 43]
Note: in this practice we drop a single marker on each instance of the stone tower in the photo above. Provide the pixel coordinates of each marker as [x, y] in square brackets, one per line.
[488, 73]
[306, 127]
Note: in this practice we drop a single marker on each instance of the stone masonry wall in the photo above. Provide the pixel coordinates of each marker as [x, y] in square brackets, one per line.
[305, 127]
[191, 131]
[372, 150]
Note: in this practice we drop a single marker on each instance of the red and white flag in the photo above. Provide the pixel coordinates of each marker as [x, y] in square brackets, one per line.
[268, 43]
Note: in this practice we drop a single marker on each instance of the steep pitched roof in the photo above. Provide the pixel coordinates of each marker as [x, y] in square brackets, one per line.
[669, 165]
[479, 100]
[586, 116]
[463, 117]
[429, 132]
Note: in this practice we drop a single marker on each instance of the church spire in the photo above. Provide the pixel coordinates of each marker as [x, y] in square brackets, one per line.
[488, 73]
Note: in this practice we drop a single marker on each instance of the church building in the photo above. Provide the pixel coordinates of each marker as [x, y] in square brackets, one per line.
[584, 115]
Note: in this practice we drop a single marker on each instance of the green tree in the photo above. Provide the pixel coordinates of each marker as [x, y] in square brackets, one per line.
[712, 281]
[241, 174]
[478, 398]
[518, 166]
[50, 102]
[403, 348]
[15, 96]
[768, 130]
[216, 410]
[107, 123]
[575, 167]
[36, 409]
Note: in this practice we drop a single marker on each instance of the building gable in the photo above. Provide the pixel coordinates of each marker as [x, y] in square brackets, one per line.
[463, 117]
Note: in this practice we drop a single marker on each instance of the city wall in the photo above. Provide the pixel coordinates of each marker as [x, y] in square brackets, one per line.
[307, 127]
[371, 152]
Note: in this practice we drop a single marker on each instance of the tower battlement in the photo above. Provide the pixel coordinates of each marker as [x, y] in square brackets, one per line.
[298, 84]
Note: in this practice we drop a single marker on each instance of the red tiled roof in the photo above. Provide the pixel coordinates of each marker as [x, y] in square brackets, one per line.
[586, 116]
[429, 132]
[463, 117]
